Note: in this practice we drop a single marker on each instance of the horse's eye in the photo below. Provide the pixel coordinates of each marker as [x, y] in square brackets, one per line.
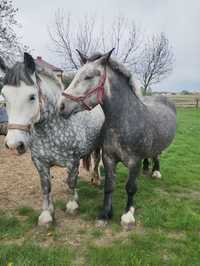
[32, 98]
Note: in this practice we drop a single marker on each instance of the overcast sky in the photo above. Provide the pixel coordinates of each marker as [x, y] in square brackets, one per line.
[179, 19]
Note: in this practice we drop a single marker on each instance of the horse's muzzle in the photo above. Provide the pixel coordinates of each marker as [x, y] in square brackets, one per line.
[21, 148]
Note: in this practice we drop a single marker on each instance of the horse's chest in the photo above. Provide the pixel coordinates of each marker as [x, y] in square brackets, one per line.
[52, 149]
[112, 142]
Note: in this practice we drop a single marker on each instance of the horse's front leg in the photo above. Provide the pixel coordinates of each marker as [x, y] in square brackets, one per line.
[128, 219]
[110, 177]
[73, 171]
[46, 217]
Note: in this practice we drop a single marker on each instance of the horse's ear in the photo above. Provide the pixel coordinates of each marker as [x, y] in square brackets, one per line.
[3, 66]
[82, 57]
[29, 63]
[105, 58]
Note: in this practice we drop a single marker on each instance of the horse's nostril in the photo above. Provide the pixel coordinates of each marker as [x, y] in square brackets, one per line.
[21, 148]
[62, 107]
[6, 145]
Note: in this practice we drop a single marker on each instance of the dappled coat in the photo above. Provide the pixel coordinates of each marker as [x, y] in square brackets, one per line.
[3, 121]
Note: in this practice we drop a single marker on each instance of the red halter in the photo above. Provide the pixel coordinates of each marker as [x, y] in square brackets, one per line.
[99, 90]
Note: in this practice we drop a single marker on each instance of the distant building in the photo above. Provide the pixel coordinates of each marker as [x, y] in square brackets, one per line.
[43, 64]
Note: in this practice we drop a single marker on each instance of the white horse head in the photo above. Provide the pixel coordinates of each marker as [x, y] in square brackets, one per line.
[27, 93]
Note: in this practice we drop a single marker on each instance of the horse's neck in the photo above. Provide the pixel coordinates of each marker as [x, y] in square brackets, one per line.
[50, 94]
[51, 89]
[120, 98]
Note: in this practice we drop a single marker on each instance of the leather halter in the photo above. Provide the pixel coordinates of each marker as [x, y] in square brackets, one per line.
[27, 128]
[99, 90]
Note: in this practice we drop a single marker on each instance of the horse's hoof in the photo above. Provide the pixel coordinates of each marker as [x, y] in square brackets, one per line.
[72, 207]
[45, 218]
[156, 175]
[128, 219]
[101, 223]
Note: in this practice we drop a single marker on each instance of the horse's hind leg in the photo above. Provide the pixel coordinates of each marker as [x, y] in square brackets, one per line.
[73, 170]
[145, 166]
[127, 219]
[96, 180]
[156, 168]
[46, 217]
[110, 176]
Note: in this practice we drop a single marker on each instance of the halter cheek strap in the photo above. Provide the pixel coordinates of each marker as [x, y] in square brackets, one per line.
[99, 91]
[27, 128]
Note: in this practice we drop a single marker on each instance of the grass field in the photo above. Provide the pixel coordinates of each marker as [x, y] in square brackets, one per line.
[167, 230]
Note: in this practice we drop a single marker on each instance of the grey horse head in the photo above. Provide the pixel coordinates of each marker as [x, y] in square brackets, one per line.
[90, 82]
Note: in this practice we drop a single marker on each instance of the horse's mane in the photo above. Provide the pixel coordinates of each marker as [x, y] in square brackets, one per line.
[119, 68]
[49, 74]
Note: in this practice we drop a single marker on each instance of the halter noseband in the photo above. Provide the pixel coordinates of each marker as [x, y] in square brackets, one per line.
[100, 90]
[27, 128]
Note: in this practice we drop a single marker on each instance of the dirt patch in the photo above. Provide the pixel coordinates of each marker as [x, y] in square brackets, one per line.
[20, 183]
[20, 186]
[176, 235]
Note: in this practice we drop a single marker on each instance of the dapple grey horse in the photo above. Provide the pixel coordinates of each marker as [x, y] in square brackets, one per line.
[155, 171]
[31, 101]
[132, 131]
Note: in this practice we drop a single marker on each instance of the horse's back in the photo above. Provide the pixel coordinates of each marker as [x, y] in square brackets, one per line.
[160, 99]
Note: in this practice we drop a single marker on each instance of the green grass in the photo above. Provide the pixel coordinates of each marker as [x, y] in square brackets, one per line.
[151, 249]
[167, 215]
[29, 255]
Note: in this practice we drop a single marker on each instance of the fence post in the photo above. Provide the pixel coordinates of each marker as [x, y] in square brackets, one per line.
[197, 102]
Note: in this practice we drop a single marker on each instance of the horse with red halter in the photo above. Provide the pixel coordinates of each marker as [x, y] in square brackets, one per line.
[133, 130]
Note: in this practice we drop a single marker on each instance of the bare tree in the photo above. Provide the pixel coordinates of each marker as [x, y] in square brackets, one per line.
[10, 46]
[152, 60]
[66, 38]
[89, 37]
[156, 61]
